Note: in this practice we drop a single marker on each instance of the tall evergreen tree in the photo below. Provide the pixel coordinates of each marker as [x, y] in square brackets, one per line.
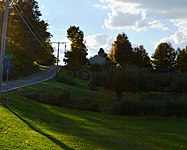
[76, 57]
[164, 56]
[182, 58]
[102, 53]
[121, 52]
[141, 58]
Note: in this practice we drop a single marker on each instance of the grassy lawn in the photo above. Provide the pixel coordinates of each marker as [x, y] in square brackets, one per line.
[27, 124]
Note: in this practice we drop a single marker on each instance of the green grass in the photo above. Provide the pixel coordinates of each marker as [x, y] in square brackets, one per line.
[26, 124]
[79, 91]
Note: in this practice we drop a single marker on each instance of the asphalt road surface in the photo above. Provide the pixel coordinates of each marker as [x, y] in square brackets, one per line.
[41, 76]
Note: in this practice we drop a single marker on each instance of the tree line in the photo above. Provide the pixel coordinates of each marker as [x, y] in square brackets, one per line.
[123, 54]
[27, 36]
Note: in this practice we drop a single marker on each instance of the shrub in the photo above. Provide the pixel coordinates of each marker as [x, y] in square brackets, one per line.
[42, 97]
[121, 80]
[84, 74]
[64, 98]
[96, 67]
[32, 95]
[161, 82]
[66, 81]
[179, 84]
[154, 107]
[126, 107]
[48, 98]
[85, 104]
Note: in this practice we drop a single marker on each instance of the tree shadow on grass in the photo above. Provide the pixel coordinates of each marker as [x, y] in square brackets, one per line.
[53, 139]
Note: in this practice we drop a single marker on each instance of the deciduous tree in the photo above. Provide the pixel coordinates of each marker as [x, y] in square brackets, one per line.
[141, 58]
[164, 56]
[76, 57]
[121, 51]
[182, 58]
[27, 45]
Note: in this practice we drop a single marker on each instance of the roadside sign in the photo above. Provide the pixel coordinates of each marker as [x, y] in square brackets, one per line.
[7, 62]
[7, 65]
[7, 56]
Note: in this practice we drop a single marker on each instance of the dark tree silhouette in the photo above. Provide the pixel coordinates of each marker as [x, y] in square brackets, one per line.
[76, 57]
[164, 56]
[182, 58]
[21, 42]
[141, 58]
[121, 51]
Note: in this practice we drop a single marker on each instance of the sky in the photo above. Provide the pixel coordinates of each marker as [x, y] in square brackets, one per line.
[145, 22]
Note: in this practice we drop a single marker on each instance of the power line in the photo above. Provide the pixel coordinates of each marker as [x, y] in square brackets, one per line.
[58, 52]
[29, 21]
[29, 27]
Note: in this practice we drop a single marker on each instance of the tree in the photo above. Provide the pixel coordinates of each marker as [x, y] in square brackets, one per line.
[121, 51]
[121, 80]
[182, 58]
[141, 58]
[76, 57]
[102, 53]
[26, 47]
[164, 56]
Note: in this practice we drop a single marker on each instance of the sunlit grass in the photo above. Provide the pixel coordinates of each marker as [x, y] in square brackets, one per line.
[39, 126]
[27, 124]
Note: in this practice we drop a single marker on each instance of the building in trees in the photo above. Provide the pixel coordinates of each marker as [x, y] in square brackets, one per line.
[164, 56]
[99, 59]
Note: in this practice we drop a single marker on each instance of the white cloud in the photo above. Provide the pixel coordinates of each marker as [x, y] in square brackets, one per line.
[146, 14]
[95, 42]
[125, 16]
[159, 9]
[179, 38]
[156, 24]
[101, 6]
[120, 20]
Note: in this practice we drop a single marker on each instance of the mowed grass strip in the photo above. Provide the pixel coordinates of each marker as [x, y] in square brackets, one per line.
[15, 134]
[27, 124]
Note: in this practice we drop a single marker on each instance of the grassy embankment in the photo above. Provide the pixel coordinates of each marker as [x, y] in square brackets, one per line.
[28, 124]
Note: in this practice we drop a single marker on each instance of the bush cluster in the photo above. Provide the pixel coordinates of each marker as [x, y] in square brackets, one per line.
[63, 99]
[153, 107]
[169, 82]
[42, 97]
[65, 80]
[138, 80]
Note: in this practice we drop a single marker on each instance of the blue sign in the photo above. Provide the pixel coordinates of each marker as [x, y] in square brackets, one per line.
[7, 64]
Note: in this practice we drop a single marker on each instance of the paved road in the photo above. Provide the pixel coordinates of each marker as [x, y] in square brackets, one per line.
[41, 76]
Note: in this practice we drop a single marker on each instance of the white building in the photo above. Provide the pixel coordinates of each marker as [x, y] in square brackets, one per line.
[97, 60]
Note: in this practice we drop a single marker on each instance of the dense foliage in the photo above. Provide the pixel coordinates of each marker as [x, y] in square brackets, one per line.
[141, 58]
[123, 54]
[76, 57]
[182, 58]
[28, 43]
[164, 56]
[136, 80]
[121, 51]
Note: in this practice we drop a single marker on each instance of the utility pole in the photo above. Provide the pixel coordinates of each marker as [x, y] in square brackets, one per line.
[58, 53]
[3, 40]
